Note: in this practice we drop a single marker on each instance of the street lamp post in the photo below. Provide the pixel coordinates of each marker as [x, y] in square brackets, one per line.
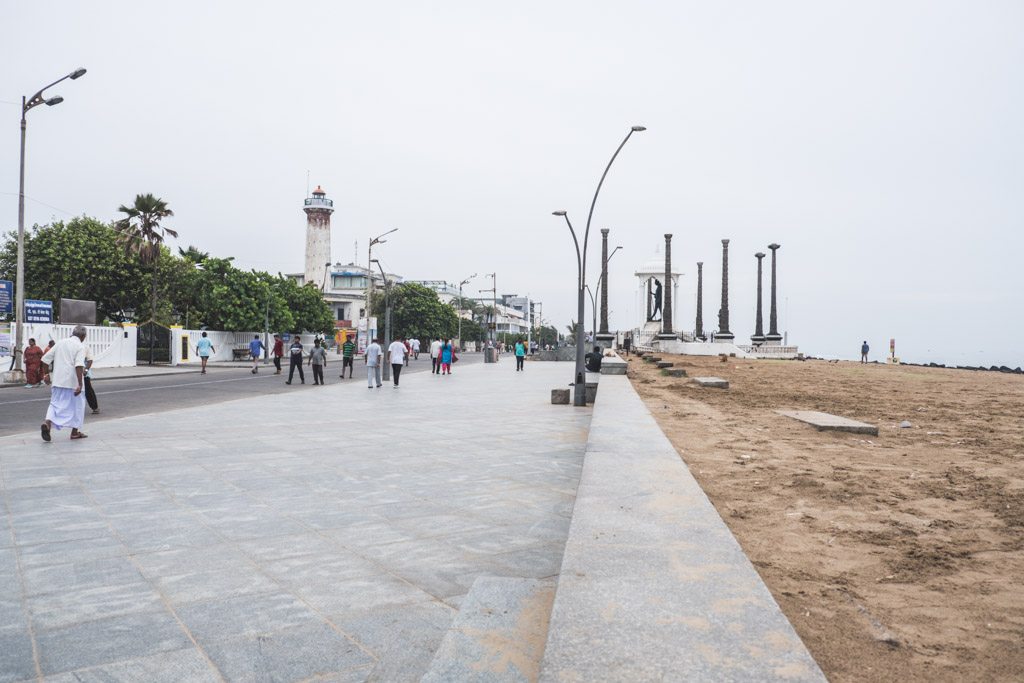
[369, 277]
[386, 370]
[17, 374]
[464, 282]
[593, 308]
[579, 386]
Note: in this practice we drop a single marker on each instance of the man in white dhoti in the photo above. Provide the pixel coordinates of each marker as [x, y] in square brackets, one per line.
[66, 361]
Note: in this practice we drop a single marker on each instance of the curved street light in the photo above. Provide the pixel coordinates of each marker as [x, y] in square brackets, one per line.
[579, 386]
[464, 282]
[17, 373]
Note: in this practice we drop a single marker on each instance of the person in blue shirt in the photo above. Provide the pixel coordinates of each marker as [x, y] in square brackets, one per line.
[204, 349]
[864, 348]
[520, 354]
[256, 349]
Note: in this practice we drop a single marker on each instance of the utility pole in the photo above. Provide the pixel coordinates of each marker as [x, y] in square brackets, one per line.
[369, 277]
[466, 281]
[492, 334]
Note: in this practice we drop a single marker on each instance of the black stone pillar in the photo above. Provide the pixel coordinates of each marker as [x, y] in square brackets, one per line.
[666, 298]
[699, 332]
[773, 336]
[723, 334]
[604, 280]
[758, 336]
[603, 337]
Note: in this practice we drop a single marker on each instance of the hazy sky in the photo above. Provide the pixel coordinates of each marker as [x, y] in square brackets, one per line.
[881, 143]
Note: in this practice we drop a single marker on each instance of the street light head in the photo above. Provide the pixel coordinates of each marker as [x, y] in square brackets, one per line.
[558, 213]
[373, 260]
[639, 129]
[76, 74]
[54, 100]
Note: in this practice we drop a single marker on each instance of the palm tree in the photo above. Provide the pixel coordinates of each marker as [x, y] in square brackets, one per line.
[193, 254]
[141, 234]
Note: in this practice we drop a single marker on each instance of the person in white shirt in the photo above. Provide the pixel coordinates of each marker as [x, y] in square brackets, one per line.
[372, 358]
[66, 361]
[435, 353]
[415, 348]
[397, 352]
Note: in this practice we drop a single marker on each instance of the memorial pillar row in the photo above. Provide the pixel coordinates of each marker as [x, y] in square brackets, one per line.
[758, 336]
[699, 332]
[773, 336]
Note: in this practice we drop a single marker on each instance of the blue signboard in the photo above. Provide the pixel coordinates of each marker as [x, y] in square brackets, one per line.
[38, 311]
[6, 296]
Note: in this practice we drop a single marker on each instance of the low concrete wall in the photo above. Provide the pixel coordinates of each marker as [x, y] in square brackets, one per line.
[653, 585]
[563, 353]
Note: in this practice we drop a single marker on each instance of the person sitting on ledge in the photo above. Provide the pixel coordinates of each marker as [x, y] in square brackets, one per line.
[592, 361]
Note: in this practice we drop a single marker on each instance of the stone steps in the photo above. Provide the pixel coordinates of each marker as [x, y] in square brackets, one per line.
[498, 636]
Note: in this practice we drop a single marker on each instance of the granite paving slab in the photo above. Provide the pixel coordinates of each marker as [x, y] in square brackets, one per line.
[831, 423]
[281, 537]
[653, 586]
[712, 382]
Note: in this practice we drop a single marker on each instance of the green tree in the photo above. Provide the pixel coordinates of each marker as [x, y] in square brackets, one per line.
[141, 234]
[545, 335]
[416, 311]
[78, 259]
[307, 306]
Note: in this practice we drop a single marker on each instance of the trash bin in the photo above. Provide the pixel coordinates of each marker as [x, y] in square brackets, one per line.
[491, 355]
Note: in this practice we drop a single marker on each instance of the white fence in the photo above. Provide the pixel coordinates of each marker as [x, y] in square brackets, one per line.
[111, 347]
[183, 344]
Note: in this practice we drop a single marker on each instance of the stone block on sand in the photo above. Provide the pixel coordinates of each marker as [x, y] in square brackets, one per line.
[826, 422]
[712, 382]
[560, 397]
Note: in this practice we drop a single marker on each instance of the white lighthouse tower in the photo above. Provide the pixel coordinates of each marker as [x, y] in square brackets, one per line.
[318, 210]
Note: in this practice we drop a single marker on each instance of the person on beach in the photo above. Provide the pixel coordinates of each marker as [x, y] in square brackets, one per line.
[318, 360]
[33, 356]
[398, 352]
[864, 348]
[372, 360]
[295, 359]
[204, 349]
[435, 356]
[348, 354]
[256, 349]
[278, 353]
[520, 355]
[67, 400]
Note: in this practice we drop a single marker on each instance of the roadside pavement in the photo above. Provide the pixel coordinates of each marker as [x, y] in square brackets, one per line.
[331, 532]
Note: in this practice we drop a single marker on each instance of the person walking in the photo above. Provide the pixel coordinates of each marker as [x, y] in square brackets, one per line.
[67, 402]
[520, 354]
[397, 353]
[408, 351]
[348, 354]
[415, 349]
[864, 348]
[435, 356]
[33, 356]
[318, 361]
[204, 349]
[256, 349]
[447, 355]
[90, 393]
[295, 359]
[278, 353]
[372, 360]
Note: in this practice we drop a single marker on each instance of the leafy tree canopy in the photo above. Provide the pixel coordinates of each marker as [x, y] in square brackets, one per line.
[416, 311]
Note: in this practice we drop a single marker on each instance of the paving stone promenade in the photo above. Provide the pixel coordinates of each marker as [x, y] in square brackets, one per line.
[328, 534]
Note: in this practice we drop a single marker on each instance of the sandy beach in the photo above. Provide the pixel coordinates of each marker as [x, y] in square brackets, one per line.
[898, 557]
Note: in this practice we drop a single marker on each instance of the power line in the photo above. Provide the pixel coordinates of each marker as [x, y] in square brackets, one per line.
[50, 206]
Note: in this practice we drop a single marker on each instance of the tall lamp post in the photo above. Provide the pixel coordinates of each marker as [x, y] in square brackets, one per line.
[17, 374]
[464, 282]
[579, 388]
[369, 277]
[386, 370]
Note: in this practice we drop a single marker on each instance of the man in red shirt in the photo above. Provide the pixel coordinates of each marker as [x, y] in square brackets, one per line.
[278, 352]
